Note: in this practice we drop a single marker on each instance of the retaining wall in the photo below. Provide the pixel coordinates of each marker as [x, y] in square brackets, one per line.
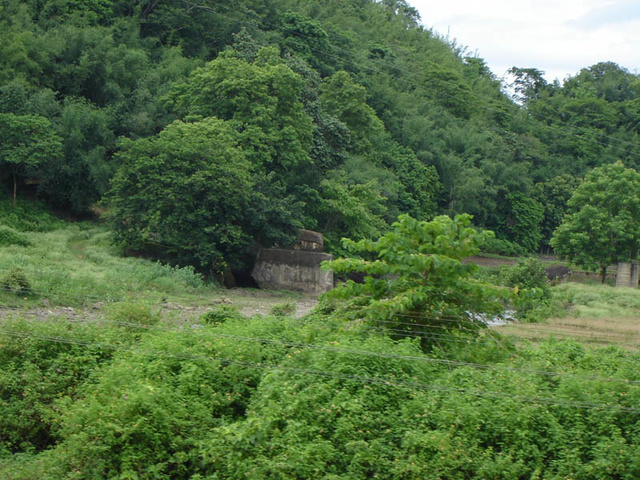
[297, 270]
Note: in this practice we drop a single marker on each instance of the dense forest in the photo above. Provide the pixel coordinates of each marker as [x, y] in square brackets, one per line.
[202, 126]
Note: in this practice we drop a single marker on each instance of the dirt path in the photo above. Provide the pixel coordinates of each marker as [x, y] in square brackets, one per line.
[249, 304]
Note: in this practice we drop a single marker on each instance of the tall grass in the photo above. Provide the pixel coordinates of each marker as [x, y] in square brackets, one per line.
[595, 314]
[76, 264]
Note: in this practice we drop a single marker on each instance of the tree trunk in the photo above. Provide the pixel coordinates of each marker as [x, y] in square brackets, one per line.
[15, 188]
[603, 272]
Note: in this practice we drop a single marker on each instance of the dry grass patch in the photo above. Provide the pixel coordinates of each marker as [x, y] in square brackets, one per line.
[595, 314]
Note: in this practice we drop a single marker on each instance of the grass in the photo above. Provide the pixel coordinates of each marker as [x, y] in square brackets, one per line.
[599, 315]
[76, 265]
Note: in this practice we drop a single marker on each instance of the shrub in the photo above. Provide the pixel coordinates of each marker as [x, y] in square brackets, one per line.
[28, 217]
[533, 293]
[134, 315]
[499, 246]
[40, 364]
[9, 237]
[16, 281]
[221, 314]
[283, 309]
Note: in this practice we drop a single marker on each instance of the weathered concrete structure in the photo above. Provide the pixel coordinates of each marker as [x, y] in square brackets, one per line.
[309, 241]
[627, 275]
[557, 273]
[297, 269]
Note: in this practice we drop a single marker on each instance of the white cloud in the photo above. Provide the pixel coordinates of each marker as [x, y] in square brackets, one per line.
[559, 38]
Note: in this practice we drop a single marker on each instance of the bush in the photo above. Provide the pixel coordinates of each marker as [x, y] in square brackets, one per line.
[283, 309]
[498, 246]
[134, 315]
[15, 281]
[28, 217]
[36, 372]
[221, 314]
[9, 237]
[531, 285]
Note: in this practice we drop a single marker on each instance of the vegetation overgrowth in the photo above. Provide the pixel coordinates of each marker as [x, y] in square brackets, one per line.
[79, 265]
[132, 392]
[318, 398]
[339, 116]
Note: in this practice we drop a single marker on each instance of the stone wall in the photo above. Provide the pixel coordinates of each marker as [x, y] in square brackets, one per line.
[296, 270]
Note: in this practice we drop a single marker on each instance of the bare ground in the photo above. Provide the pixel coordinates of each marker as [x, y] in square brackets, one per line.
[248, 302]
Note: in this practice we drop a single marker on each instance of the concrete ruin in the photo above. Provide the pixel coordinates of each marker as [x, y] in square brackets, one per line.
[296, 269]
[557, 273]
[627, 274]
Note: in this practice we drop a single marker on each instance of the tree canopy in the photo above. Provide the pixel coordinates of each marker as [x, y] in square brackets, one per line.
[344, 106]
[602, 226]
[191, 193]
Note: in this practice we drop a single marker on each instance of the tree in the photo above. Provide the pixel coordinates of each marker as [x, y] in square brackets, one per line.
[260, 99]
[80, 176]
[26, 141]
[522, 224]
[190, 192]
[528, 84]
[414, 277]
[603, 223]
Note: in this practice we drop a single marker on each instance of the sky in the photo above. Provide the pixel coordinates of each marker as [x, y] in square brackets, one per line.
[559, 37]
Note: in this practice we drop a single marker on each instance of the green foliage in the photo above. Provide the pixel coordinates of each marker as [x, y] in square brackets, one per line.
[528, 273]
[38, 376]
[353, 209]
[155, 404]
[414, 278]
[259, 99]
[532, 299]
[554, 195]
[221, 314]
[523, 224]
[247, 399]
[26, 141]
[79, 177]
[78, 265]
[283, 309]
[9, 236]
[133, 315]
[305, 86]
[345, 99]
[499, 246]
[189, 192]
[601, 227]
[15, 281]
[28, 217]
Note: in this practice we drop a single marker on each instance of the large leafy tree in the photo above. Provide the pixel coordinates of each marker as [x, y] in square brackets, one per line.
[26, 141]
[260, 99]
[603, 223]
[190, 193]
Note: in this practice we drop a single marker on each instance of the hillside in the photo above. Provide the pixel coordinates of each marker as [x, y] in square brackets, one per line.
[335, 116]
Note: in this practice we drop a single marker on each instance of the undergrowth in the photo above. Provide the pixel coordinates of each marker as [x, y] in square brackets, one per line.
[76, 263]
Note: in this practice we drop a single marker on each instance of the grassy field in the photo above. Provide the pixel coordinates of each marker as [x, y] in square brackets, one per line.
[598, 315]
[49, 266]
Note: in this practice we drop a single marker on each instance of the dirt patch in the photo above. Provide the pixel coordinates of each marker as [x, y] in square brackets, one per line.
[490, 262]
[248, 303]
